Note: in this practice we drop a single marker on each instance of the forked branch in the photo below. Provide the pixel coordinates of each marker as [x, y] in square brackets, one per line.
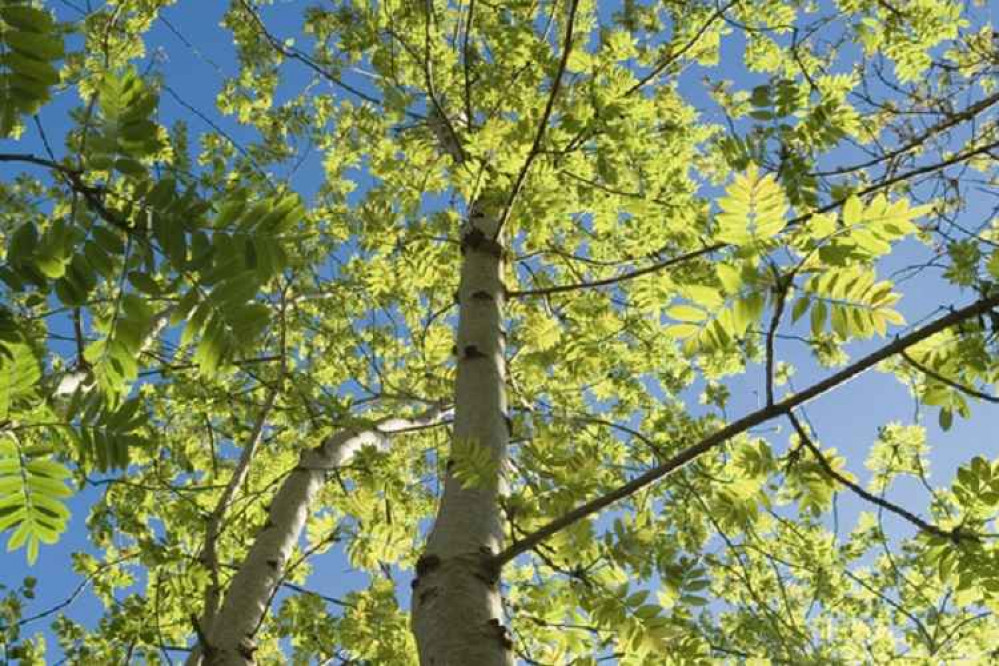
[827, 469]
[264, 567]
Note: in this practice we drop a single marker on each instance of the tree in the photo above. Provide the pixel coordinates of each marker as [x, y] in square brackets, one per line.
[442, 309]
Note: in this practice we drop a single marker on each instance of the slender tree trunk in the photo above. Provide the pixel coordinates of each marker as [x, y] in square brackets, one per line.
[457, 608]
[230, 640]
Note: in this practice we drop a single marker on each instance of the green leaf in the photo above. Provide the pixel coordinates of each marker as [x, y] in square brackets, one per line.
[993, 264]
[686, 313]
[800, 308]
[682, 331]
[34, 44]
[31, 490]
[761, 96]
[753, 209]
[124, 132]
[29, 41]
[23, 242]
[110, 241]
[840, 321]
[229, 213]
[818, 318]
[129, 167]
[144, 283]
[706, 297]
[945, 419]
[19, 374]
[693, 600]
[853, 211]
[26, 17]
[729, 277]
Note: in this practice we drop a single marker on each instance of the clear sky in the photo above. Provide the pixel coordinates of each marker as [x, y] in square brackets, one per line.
[193, 54]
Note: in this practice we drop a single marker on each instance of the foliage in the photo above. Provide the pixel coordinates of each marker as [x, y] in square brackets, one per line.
[29, 44]
[190, 308]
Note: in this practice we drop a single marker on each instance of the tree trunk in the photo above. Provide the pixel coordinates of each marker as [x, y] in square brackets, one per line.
[457, 608]
[230, 640]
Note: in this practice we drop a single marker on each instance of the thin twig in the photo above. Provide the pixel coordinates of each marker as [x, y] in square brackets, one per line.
[794, 222]
[74, 178]
[75, 594]
[543, 124]
[673, 57]
[309, 62]
[806, 441]
[919, 141]
[949, 382]
[466, 51]
[623, 277]
[781, 287]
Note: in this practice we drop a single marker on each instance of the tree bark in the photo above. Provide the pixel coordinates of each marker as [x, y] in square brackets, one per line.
[456, 604]
[230, 641]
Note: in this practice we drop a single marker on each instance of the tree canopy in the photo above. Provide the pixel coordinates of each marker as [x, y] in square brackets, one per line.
[503, 320]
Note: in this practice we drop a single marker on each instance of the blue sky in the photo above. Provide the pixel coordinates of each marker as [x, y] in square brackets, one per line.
[193, 53]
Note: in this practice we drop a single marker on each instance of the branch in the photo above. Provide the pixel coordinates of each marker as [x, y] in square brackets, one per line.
[221, 132]
[465, 49]
[781, 290]
[949, 382]
[588, 133]
[295, 54]
[673, 57]
[794, 222]
[623, 277]
[742, 425]
[202, 647]
[452, 142]
[920, 140]
[28, 158]
[325, 597]
[262, 570]
[75, 594]
[213, 529]
[165, 368]
[74, 178]
[954, 535]
[919, 171]
[611, 190]
[542, 126]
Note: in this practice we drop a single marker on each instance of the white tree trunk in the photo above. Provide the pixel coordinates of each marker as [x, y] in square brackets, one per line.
[457, 608]
[230, 641]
